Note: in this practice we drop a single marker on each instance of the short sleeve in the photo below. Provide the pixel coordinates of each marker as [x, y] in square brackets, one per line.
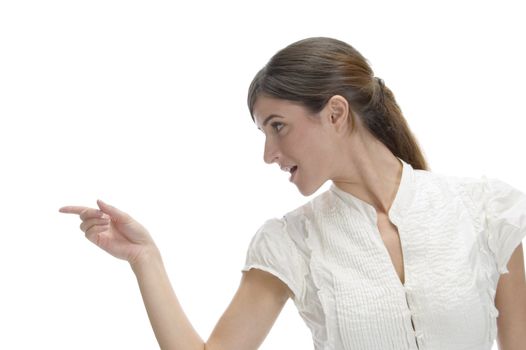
[272, 250]
[505, 210]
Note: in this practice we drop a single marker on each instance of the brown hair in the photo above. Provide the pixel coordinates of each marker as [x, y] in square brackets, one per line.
[312, 70]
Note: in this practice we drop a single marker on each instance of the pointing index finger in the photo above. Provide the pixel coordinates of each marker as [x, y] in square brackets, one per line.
[70, 209]
[83, 212]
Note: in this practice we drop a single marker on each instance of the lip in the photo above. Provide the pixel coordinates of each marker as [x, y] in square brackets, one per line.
[286, 168]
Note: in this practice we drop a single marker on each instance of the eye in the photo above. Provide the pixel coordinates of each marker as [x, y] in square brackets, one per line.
[277, 126]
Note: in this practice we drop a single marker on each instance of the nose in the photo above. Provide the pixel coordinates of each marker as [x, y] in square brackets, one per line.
[271, 153]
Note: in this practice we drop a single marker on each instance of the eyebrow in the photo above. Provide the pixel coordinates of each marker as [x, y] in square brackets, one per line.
[267, 120]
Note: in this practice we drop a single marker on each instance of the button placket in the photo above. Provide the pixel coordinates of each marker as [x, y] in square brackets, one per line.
[417, 334]
[408, 289]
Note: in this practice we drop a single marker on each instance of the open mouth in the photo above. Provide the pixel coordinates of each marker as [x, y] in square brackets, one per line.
[293, 172]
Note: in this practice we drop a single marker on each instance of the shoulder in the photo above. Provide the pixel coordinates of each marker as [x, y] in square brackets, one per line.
[482, 188]
[480, 194]
[426, 177]
[450, 184]
[290, 229]
[318, 205]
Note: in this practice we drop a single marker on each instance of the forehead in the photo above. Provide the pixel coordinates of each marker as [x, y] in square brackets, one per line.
[266, 107]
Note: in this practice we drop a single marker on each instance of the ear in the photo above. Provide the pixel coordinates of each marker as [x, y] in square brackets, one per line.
[339, 113]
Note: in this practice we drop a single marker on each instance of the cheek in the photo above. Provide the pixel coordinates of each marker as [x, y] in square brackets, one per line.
[314, 150]
[308, 146]
[318, 146]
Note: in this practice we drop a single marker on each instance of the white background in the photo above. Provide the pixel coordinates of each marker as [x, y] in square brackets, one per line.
[143, 104]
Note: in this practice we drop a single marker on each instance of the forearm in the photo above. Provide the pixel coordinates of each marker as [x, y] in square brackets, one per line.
[512, 336]
[172, 328]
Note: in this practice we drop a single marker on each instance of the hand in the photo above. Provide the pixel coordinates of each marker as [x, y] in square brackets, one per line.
[114, 231]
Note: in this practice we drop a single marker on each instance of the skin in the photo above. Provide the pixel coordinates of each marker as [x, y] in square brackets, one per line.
[510, 300]
[324, 147]
[259, 292]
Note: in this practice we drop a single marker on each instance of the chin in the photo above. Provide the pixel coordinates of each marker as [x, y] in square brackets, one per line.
[308, 190]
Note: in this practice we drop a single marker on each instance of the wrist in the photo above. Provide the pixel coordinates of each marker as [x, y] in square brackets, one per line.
[149, 256]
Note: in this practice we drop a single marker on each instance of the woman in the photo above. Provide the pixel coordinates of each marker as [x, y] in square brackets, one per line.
[392, 256]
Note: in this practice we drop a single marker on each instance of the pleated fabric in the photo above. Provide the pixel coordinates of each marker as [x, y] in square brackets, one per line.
[457, 236]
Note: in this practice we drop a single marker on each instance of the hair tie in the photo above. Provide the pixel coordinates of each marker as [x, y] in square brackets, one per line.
[380, 82]
[380, 86]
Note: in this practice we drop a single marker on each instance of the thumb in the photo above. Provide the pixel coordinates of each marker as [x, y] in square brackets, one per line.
[116, 214]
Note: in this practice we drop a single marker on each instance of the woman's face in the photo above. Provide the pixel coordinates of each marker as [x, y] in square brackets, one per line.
[300, 142]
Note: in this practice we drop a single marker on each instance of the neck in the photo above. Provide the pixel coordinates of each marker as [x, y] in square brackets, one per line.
[371, 174]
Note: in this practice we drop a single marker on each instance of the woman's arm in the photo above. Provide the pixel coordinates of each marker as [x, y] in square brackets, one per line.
[244, 325]
[510, 300]
[172, 328]
[251, 313]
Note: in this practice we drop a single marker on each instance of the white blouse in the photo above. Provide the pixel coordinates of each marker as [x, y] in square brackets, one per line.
[457, 235]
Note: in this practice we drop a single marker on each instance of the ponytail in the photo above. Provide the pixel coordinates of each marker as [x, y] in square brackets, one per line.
[313, 70]
[384, 119]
